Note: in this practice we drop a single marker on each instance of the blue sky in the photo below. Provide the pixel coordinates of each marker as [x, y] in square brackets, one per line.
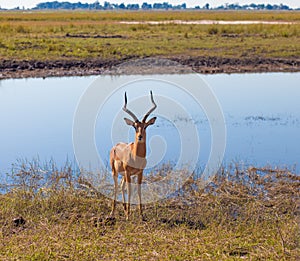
[192, 3]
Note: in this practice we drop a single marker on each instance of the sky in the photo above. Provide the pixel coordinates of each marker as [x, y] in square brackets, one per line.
[190, 3]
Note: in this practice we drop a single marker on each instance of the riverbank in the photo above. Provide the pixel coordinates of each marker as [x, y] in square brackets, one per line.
[155, 65]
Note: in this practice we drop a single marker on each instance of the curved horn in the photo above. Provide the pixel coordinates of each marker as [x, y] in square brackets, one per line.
[128, 111]
[151, 110]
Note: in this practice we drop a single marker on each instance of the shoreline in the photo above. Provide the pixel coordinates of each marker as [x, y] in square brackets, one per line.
[150, 65]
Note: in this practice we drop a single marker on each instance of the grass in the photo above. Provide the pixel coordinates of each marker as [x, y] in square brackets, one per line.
[50, 214]
[44, 35]
[244, 213]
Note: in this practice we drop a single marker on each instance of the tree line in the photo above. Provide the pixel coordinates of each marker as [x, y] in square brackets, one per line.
[156, 6]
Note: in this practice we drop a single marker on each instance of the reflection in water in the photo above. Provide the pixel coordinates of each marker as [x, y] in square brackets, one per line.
[262, 113]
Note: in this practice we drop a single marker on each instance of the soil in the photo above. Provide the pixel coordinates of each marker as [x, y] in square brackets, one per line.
[150, 65]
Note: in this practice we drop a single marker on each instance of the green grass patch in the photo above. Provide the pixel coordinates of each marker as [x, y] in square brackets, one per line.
[44, 35]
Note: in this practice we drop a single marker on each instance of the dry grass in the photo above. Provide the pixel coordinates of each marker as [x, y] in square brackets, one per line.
[244, 213]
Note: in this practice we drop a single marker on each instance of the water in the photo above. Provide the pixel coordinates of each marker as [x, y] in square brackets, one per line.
[262, 116]
[261, 111]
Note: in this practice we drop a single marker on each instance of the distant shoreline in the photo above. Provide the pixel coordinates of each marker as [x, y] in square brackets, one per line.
[204, 65]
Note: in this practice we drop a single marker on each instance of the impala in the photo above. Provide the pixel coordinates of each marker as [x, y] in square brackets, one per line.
[129, 159]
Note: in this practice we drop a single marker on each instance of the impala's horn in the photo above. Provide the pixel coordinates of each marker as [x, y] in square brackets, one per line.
[151, 110]
[128, 111]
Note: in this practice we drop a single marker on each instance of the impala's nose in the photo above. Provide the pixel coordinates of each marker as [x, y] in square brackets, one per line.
[140, 137]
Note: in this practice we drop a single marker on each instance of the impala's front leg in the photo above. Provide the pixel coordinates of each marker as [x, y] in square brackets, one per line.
[128, 182]
[139, 183]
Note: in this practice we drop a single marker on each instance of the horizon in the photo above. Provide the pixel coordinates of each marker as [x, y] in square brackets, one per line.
[190, 3]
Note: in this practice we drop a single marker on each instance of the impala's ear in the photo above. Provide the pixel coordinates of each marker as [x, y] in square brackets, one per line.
[151, 121]
[129, 122]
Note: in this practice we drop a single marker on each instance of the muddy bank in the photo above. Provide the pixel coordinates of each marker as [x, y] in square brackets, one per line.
[131, 65]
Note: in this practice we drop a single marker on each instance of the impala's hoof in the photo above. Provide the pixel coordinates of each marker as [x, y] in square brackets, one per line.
[127, 217]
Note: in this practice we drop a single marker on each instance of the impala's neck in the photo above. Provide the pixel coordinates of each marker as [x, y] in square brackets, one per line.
[139, 148]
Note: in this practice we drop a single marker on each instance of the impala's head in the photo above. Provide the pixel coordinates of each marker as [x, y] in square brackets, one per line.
[140, 126]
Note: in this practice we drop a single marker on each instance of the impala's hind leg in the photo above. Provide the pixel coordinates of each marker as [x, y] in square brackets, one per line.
[114, 202]
[123, 194]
